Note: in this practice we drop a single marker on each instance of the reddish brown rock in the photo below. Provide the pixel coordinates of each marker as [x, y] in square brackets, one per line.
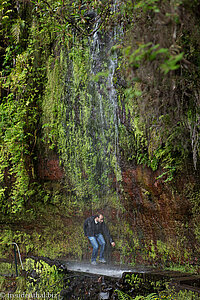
[50, 168]
[156, 211]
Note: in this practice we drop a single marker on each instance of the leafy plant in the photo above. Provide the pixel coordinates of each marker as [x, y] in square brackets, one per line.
[171, 63]
[124, 296]
[147, 5]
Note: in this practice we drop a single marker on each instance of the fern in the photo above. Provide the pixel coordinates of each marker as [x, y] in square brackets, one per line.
[123, 296]
[149, 297]
[16, 29]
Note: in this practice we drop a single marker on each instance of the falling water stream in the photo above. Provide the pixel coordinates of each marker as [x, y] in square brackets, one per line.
[103, 62]
[91, 156]
[103, 65]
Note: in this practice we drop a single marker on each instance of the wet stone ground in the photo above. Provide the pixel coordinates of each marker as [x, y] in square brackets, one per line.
[87, 282]
[78, 283]
[82, 286]
[89, 287]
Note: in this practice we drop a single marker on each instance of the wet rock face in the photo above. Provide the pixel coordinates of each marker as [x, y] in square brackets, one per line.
[48, 168]
[156, 211]
[159, 217]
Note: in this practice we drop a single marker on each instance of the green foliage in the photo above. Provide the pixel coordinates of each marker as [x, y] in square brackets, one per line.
[170, 294]
[43, 242]
[18, 118]
[171, 63]
[147, 5]
[170, 254]
[19, 111]
[151, 52]
[156, 152]
[73, 122]
[6, 269]
[193, 195]
[13, 151]
[155, 132]
[49, 103]
[50, 279]
[33, 47]
[122, 296]
[47, 282]
[40, 38]
[144, 285]
[17, 29]
[127, 249]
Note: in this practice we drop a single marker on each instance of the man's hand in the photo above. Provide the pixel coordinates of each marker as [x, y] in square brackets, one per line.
[113, 244]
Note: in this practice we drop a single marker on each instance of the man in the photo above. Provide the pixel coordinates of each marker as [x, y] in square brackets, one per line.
[94, 228]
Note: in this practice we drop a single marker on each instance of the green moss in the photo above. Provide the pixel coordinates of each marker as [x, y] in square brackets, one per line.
[192, 193]
[72, 124]
[7, 268]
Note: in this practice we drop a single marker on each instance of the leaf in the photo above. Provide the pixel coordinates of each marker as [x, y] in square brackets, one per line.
[123, 296]
[171, 63]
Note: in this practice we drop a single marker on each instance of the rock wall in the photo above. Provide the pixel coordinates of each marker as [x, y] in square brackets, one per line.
[161, 215]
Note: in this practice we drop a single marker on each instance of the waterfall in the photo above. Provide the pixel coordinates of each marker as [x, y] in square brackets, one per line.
[103, 66]
[104, 62]
[89, 135]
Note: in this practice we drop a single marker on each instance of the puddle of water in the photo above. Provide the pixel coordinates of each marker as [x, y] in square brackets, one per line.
[104, 296]
[105, 270]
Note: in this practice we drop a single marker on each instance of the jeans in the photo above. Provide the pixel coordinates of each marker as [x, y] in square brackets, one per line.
[94, 240]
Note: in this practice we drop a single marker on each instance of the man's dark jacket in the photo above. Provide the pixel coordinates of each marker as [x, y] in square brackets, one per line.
[89, 228]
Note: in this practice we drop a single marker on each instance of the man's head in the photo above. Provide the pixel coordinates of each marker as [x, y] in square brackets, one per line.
[99, 218]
